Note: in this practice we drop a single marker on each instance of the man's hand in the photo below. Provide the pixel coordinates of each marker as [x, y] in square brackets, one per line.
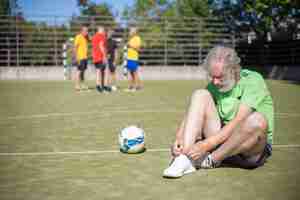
[177, 147]
[105, 60]
[196, 151]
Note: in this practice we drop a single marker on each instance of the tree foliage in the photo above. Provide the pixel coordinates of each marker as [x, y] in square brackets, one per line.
[167, 8]
[92, 15]
[261, 16]
[88, 8]
[5, 7]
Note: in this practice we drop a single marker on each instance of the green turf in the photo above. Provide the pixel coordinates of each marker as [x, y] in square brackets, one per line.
[41, 116]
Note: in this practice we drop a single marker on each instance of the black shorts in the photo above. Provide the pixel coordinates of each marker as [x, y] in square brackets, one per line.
[100, 65]
[242, 162]
[111, 66]
[82, 65]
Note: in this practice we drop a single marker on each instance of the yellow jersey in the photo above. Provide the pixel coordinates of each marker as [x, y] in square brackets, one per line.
[134, 43]
[81, 45]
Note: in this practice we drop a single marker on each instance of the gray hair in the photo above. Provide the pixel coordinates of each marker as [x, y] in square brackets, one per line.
[133, 30]
[100, 29]
[226, 55]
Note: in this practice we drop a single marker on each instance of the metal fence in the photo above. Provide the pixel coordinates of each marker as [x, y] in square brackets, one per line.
[38, 41]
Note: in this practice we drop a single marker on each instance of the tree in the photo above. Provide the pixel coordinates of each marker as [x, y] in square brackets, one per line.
[9, 7]
[192, 8]
[93, 9]
[260, 16]
[92, 14]
[5, 8]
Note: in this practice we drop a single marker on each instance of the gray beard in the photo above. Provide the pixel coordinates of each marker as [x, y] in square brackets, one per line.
[227, 85]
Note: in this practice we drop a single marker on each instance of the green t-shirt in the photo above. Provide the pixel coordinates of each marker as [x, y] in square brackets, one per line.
[250, 90]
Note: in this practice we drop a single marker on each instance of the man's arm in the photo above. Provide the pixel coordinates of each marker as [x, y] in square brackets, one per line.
[219, 138]
[103, 51]
[115, 56]
[75, 47]
[178, 144]
[179, 132]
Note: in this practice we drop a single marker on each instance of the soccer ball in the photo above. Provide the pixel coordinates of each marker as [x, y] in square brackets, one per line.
[132, 140]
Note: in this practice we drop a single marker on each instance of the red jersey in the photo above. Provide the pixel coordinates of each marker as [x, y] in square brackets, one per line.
[97, 40]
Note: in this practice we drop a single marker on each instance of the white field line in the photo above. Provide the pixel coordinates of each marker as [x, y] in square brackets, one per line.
[108, 112]
[54, 153]
[72, 152]
[105, 112]
[280, 146]
[288, 114]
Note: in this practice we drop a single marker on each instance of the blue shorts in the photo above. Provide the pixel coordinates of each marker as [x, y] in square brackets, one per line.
[82, 65]
[132, 65]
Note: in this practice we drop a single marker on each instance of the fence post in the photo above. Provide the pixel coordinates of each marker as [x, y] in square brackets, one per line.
[17, 42]
[292, 49]
[166, 43]
[8, 52]
[55, 42]
[200, 54]
[233, 40]
[200, 43]
[94, 23]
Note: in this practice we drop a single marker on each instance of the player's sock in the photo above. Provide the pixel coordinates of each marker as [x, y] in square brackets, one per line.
[209, 163]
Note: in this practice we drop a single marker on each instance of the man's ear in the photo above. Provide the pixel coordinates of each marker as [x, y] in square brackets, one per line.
[236, 74]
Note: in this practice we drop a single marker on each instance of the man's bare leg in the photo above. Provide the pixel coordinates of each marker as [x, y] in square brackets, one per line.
[132, 80]
[112, 79]
[250, 139]
[98, 81]
[202, 119]
[77, 80]
[138, 81]
[103, 83]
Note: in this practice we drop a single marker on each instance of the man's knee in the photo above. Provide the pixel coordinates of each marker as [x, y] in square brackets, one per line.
[201, 94]
[256, 122]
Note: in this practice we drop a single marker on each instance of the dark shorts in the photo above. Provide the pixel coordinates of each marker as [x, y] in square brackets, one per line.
[132, 65]
[100, 65]
[243, 162]
[111, 66]
[82, 65]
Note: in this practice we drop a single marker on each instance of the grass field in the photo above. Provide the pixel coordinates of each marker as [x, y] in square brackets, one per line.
[59, 144]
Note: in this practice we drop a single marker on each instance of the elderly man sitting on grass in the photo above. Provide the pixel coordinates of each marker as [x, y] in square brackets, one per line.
[231, 121]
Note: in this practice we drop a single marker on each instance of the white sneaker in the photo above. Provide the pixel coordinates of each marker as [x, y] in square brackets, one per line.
[179, 167]
[114, 88]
